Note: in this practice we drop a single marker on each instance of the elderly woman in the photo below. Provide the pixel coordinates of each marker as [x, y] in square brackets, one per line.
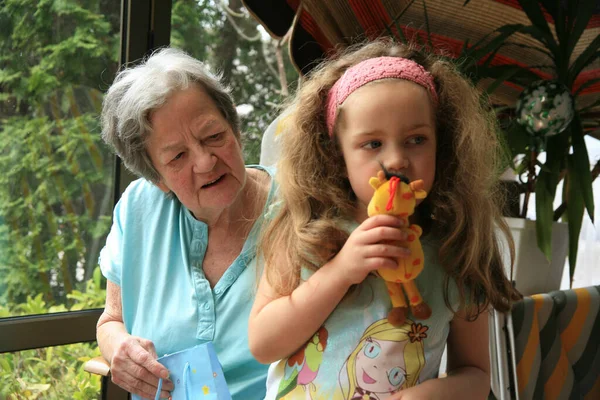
[180, 256]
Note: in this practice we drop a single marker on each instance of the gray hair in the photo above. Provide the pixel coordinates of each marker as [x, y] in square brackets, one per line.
[139, 90]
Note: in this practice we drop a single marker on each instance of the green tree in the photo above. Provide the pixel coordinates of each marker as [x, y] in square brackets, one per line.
[57, 57]
[55, 199]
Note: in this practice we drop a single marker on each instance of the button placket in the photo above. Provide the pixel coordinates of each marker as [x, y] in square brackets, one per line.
[205, 306]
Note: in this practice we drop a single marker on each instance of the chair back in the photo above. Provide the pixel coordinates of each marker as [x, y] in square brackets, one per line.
[556, 344]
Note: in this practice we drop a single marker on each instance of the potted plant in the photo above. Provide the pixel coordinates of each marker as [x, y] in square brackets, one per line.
[536, 128]
[549, 119]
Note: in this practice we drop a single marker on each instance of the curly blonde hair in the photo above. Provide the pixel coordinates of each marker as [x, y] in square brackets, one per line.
[464, 205]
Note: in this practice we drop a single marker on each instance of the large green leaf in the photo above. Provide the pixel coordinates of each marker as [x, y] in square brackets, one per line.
[557, 148]
[475, 53]
[516, 74]
[557, 11]
[581, 166]
[517, 138]
[585, 10]
[476, 72]
[428, 30]
[397, 25]
[585, 58]
[574, 211]
[572, 7]
[508, 73]
[542, 31]
[562, 34]
[545, 188]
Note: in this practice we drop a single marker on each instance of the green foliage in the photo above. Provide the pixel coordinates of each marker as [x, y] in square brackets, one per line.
[566, 154]
[56, 59]
[56, 195]
[57, 180]
[51, 188]
[92, 297]
[194, 27]
[53, 373]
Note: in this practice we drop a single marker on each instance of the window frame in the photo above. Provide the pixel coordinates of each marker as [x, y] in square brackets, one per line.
[145, 26]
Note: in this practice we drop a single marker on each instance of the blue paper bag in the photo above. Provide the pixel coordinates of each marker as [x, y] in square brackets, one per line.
[196, 373]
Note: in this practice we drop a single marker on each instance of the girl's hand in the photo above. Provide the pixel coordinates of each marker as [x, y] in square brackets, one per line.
[373, 245]
[135, 369]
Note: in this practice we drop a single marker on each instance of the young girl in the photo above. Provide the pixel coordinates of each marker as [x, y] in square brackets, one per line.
[381, 105]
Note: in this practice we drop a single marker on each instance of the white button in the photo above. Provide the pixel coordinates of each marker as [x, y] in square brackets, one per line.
[207, 306]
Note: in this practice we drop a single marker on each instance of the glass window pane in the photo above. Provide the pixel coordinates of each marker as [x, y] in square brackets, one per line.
[56, 60]
[230, 41]
[53, 373]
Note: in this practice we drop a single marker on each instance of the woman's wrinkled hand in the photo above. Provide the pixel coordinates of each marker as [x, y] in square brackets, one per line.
[135, 369]
[375, 244]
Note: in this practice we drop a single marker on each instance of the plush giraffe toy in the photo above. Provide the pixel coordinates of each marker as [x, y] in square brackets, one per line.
[394, 195]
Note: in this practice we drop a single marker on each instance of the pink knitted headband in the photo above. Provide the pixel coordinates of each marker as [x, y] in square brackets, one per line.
[375, 69]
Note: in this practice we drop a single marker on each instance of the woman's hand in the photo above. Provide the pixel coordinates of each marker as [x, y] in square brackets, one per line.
[373, 245]
[135, 369]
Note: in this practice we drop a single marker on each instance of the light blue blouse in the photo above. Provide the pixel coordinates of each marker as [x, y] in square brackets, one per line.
[154, 252]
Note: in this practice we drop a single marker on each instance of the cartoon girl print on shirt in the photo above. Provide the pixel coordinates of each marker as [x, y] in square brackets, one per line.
[386, 360]
[301, 368]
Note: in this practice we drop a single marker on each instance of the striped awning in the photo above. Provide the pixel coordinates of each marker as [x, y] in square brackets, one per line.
[317, 26]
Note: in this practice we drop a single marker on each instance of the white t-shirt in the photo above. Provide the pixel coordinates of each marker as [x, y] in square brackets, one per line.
[358, 354]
